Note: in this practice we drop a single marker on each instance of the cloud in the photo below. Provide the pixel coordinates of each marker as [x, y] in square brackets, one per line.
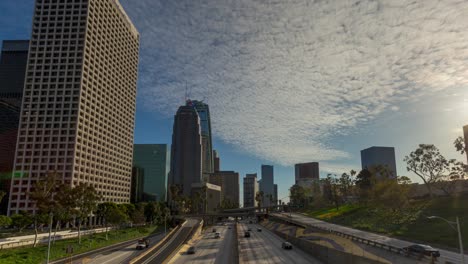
[282, 78]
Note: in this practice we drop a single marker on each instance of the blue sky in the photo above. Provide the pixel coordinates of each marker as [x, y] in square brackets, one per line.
[296, 81]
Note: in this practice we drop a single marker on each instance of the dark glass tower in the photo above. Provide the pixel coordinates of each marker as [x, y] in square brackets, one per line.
[186, 151]
[203, 111]
[13, 61]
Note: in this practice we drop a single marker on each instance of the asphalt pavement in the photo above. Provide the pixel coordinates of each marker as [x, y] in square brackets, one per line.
[209, 249]
[445, 255]
[265, 247]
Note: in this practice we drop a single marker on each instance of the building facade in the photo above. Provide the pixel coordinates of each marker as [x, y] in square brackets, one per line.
[229, 183]
[186, 151]
[275, 194]
[465, 134]
[13, 60]
[306, 171]
[154, 160]
[211, 202]
[267, 185]
[250, 190]
[374, 157]
[138, 181]
[78, 109]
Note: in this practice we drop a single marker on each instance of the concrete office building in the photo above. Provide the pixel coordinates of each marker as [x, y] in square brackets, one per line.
[250, 190]
[78, 109]
[186, 151]
[213, 197]
[229, 183]
[374, 157]
[267, 185]
[306, 171]
[138, 181]
[13, 60]
[154, 159]
[203, 111]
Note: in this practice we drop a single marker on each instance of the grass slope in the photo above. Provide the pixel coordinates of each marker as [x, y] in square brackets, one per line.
[30, 255]
[410, 223]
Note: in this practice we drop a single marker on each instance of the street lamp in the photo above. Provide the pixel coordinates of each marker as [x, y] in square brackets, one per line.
[457, 229]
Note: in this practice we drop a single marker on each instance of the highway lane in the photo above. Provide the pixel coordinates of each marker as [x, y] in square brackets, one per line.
[444, 254]
[265, 247]
[122, 255]
[211, 250]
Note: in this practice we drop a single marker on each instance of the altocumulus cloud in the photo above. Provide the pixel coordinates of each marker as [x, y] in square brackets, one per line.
[282, 77]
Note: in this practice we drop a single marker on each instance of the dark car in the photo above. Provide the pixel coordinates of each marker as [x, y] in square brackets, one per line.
[422, 250]
[191, 250]
[214, 230]
[247, 234]
[259, 229]
[249, 229]
[286, 245]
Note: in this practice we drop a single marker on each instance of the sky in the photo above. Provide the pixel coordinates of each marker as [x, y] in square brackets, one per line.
[291, 81]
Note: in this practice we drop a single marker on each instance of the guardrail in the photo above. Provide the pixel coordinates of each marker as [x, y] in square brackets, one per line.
[366, 241]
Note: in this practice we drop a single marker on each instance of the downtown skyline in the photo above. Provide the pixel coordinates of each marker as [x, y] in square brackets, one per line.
[248, 137]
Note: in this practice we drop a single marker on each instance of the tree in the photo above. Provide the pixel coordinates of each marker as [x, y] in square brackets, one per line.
[138, 215]
[259, 198]
[430, 165]
[331, 190]
[364, 182]
[460, 146]
[22, 220]
[389, 194]
[403, 180]
[151, 212]
[5, 221]
[112, 214]
[85, 199]
[346, 183]
[2, 194]
[297, 195]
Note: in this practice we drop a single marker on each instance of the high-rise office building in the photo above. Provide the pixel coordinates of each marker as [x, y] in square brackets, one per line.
[13, 60]
[138, 182]
[306, 171]
[374, 157]
[186, 151]
[250, 190]
[217, 161]
[229, 182]
[154, 160]
[78, 109]
[203, 111]
[465, 133]
[267, 185]
[212, 200]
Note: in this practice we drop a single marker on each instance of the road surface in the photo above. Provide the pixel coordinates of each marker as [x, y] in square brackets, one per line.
[211, 250]
[265, 247]
[444, 254]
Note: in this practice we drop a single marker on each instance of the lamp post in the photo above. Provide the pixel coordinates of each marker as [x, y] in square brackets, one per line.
[457, 229]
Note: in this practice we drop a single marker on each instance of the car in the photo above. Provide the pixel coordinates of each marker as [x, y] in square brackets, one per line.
[191, 250]
[247, 234]
[229, 227]
[249, 229]
[217, 235]
[250, 222]
[142, 243]
[259, 229]
[286, 245]
[214, 230]
[422, 250]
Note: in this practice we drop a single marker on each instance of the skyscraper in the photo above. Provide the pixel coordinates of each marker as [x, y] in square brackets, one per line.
[205, 124]
[13, 60]
[276, 194]
[267, 185]
[154, 160]
[306, 171]
[250, 190]
[186, 151]
[217, 161]
[465, 133]
[138, 181]
[77, 115]
[374, 157]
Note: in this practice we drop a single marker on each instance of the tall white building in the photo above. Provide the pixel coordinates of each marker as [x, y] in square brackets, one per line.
[78, 109]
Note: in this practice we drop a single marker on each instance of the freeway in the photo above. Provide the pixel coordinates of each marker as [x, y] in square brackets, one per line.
[265, 247]
[212, 250]
[444, 254]
[164, 252]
